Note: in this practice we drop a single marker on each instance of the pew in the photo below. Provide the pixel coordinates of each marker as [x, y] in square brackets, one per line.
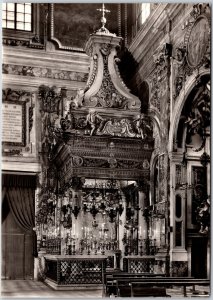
[110, 286]
[138, 286]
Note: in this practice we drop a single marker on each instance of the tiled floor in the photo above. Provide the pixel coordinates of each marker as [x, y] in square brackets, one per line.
[37, 289]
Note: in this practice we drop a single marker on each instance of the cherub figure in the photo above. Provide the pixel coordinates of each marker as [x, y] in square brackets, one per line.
[93, 119]
[78, 100]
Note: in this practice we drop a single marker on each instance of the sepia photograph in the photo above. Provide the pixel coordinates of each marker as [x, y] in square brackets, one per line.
[106, 141]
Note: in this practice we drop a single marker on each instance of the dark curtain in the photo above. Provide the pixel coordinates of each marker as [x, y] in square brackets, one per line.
[20, 195]
[4, 207]
[3, 192]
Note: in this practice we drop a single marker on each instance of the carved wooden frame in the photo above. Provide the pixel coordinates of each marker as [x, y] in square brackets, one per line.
[24, 117]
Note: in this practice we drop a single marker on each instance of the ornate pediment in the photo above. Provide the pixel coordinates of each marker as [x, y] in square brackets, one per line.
[105, 88]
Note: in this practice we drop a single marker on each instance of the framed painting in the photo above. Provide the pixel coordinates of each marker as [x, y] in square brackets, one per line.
[72, 23]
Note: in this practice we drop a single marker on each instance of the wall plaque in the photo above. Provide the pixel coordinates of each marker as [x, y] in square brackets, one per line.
[13, 123]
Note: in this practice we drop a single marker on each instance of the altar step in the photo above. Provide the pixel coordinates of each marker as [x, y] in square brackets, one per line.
[60, 287]
[33, 289]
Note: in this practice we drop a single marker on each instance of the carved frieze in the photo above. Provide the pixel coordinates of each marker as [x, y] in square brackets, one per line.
[107, 163]
[120, 128]
[43, 72]
[95, 123]
[103, 173]
[15, 42]
[91, 156]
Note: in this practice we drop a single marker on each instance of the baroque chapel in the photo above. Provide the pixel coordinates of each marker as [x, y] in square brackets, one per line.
[106, 146]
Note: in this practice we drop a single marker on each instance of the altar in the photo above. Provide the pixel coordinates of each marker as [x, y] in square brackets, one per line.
[66, 271]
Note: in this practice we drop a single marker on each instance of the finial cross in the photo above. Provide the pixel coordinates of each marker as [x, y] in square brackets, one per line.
[103, 10]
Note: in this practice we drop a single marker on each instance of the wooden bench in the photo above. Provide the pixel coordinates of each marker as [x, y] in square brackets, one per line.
[124, 286]
[148, 292]
[110, 286]
[163, 282]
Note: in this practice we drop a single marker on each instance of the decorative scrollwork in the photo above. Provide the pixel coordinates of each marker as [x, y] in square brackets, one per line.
[199, 9]
[107, 95]
[159, 74]
[31, 117]
[77, 161]
[115, 127]
[50, 99]
[16, 95]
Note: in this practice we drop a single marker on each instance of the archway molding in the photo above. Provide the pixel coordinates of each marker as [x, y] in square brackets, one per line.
[189, 85]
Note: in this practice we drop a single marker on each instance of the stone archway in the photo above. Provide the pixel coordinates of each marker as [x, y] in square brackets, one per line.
[189, 147]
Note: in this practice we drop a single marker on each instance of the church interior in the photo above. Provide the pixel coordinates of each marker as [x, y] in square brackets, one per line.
[106, 149]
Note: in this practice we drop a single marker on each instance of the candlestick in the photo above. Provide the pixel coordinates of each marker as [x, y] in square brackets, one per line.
[140, 232]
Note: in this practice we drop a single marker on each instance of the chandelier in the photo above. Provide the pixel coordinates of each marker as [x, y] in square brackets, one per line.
[104, 198]
[69, 205]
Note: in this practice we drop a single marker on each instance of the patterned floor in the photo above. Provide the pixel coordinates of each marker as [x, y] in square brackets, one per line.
[37, 289]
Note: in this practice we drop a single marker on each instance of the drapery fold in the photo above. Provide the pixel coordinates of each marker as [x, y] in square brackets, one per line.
[4, 205]
[3, 192]
[21, 203]
[22, 206]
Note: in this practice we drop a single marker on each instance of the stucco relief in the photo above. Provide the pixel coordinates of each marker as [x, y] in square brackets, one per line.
[194, 51]
[43, 72]
[157, 79]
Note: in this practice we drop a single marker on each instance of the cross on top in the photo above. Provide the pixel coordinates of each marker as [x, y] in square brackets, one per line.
[103, 10]
[103, 19]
